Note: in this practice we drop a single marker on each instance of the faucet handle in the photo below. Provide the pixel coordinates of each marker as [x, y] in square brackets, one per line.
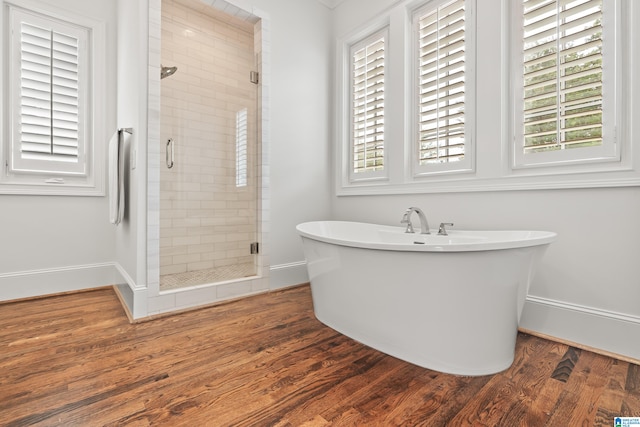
[406, 220]
[442, 231]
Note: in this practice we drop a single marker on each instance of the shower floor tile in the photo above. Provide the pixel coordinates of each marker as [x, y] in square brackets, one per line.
[201, 277]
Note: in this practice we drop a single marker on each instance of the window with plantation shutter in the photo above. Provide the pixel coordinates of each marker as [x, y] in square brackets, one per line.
[48, 95]
[443, 75]
[47, 130]
[367, 106]
[567, 81]
[472, 95]
[54, 74]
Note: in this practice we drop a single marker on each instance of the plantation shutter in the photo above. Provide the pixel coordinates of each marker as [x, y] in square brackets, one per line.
[441, 38]
[562, 74]
[49, 95]
[368, 81]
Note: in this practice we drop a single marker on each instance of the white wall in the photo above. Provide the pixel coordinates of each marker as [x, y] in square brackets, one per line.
[132, 112]
[299, 104]
[588, 287]
[52, 243]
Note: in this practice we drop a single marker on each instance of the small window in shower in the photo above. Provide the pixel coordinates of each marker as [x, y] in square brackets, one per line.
[241, 148]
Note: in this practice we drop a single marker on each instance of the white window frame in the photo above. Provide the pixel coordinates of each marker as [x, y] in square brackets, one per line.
[30, 176]
[585, 157]
[467, 163]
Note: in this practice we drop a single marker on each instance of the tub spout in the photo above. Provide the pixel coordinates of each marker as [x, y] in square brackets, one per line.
[406, 219]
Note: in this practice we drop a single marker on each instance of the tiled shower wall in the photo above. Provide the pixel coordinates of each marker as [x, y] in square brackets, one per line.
[206, 220]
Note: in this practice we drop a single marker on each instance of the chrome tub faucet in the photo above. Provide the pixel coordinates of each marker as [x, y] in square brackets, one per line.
[406, 219]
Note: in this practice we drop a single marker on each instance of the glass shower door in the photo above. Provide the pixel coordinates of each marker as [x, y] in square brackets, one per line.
[208, 178]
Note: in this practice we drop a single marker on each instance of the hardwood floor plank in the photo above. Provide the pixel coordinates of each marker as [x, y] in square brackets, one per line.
[566, 365]
[312, 387]
[401, 405]
[82, 403]
[393, 392]
[443, 398]
[530, 349]
[632, 384]
[610, 402]
[547, 400]
[353, 391]
[533, 402]
[347, 418]
[630, 406]
[76, 360]
[490, 404]
[317, 421]
[578, 402]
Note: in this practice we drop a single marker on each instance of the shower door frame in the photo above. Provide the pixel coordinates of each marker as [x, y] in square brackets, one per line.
[208, 294]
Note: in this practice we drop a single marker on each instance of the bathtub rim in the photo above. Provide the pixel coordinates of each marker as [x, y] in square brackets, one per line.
[432, 242]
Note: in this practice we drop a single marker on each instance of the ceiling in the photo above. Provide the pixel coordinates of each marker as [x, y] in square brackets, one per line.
[222, 10]
[331, 4]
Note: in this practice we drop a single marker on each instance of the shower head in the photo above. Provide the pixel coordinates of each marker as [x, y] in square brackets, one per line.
[167, 71]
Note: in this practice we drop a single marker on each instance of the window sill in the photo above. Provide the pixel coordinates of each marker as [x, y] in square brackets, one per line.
[509, 183]
[51, 190]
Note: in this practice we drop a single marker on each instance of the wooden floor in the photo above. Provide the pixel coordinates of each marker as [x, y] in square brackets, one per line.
[75, 360]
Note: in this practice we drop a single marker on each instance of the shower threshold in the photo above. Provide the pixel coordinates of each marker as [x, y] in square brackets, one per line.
[202, 277]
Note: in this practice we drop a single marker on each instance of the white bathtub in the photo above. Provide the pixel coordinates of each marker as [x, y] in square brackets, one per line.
[448, 303]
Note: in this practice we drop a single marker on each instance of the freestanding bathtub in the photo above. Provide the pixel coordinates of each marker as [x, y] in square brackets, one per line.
[448, 303]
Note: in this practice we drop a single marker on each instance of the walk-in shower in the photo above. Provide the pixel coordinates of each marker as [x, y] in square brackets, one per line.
[209, 147]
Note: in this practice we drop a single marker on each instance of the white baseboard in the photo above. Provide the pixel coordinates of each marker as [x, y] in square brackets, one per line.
[287, 275]
[599, 329]
[34, 283]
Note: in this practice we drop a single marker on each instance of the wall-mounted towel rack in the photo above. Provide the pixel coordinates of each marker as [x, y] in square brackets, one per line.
[116, 176]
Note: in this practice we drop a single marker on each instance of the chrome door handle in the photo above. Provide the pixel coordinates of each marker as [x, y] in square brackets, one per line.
[169, 153]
